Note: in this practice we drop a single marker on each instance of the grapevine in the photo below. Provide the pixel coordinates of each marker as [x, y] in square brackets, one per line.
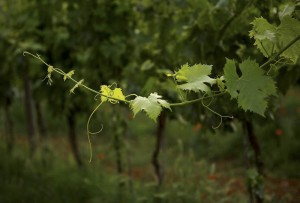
[152, 105]
[251, 89]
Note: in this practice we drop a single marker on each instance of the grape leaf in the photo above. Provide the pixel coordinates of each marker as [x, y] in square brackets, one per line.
[195, 77]
[287, 10]
[265, 36]
[115, 93]
[269, 39]
[76, 86]
[69, 75]
[151, 105]
[252, 88]
[288, 30]
[220, 83]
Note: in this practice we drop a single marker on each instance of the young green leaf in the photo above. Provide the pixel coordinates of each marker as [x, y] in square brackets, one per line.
[76, 86]
[195, 78]
[115, 93]
[220, 83]
[252, 88]
[49, 70]
[69, 75]
[151, 105]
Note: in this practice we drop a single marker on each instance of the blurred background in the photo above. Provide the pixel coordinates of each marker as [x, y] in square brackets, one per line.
[44, 151]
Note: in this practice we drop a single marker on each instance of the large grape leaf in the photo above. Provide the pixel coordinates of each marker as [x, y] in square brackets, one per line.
[252, 88]
[195, 77]
[151, 105]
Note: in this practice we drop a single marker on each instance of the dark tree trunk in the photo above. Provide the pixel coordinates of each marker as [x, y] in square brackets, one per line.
[129, 161]
[117, 145]
[119, 124]
[73, 138]
[42, 133]
[159, 142]
[29, 111]
[41, 121]
[255, 147]
[118, 134]
[252, 141]
[9, 126]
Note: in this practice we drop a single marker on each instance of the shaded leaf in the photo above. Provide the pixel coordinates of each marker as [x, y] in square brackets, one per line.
[265, 36]
[288, 30]
[252, 88]
[269, 39]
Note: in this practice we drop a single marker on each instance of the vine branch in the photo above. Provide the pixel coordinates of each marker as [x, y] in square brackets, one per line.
[197, 100]
[80, 83]
[273, 58]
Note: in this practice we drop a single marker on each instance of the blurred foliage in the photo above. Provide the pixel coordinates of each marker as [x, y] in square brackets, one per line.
[135, 44]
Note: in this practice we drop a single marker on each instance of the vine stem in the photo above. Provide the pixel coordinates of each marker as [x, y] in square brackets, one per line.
[61, 72]
[280, 52]
[197, 100]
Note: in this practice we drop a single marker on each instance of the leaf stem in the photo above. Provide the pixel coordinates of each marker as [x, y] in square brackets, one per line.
[280, 52]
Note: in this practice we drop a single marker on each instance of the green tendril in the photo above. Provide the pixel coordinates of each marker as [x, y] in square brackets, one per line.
[218, 114]
[131, 95]
[88, 132]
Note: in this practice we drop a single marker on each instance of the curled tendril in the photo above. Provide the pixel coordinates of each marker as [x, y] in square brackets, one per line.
[111, 94]
[281, 61]
[37, 56]
[211, 110]
[88, 132]
[96, 96]
[113, 84]
[97, 132]
[131, 95]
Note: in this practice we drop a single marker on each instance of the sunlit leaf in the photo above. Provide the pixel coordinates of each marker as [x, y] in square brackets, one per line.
[152, 105]
[113, 93]
[195, 78]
